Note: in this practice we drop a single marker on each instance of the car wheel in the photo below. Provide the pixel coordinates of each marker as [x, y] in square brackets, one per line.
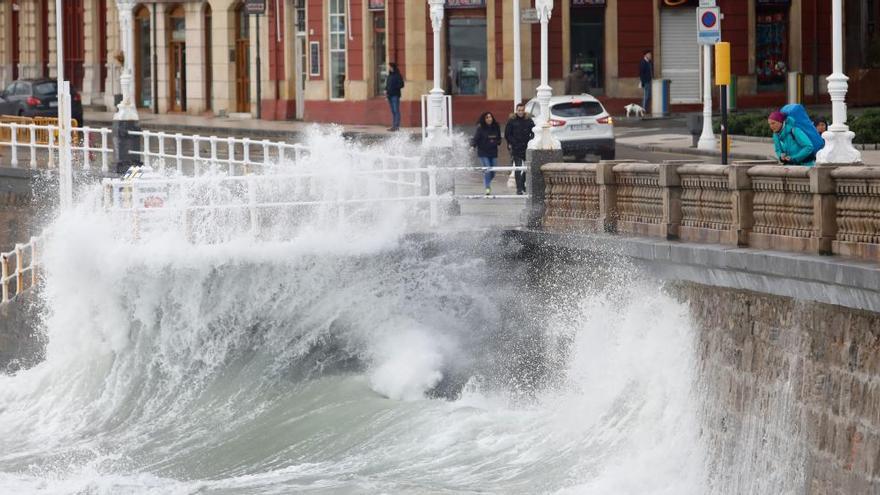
[580, 157]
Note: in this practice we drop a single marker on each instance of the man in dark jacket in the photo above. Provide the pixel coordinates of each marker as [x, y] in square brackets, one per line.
[646, 75]
[393, 85]
[518, 133]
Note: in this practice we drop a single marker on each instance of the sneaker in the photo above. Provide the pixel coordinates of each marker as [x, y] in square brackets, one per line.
[520, 193]
[488, 192]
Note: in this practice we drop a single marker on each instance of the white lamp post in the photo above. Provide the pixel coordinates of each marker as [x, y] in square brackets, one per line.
[517, 56]
[707, 138]
[436, 126]
[838, 138]
[65, 156]
[126, 109]
[543, 139]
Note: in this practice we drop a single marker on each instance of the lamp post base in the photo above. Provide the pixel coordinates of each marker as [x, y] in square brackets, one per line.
[838, 148]
[124, 143]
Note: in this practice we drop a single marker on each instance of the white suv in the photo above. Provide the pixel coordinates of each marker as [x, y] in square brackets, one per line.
[580, 123]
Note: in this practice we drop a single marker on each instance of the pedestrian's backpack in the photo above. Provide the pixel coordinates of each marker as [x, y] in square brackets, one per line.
[803, 122]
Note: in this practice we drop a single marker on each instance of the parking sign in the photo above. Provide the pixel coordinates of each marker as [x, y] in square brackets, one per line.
[708, 25]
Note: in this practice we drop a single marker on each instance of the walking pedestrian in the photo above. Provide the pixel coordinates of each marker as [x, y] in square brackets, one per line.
[393, 85]
[486, 140]
[518, 132]
[646, 75]
[792, 145]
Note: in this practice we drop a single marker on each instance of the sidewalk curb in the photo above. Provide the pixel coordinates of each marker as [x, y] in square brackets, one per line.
[693, 151]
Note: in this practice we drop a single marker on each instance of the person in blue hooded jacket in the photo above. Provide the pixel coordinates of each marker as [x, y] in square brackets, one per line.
[792, 145]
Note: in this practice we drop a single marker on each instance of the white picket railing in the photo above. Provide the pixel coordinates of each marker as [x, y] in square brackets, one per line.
[37, 146]
[188, 154]
[20, 266]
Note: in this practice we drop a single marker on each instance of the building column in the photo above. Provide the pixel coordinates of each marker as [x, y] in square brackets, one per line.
[223, 57]
[195, 57]
[114, 69]
[5, 44]
[612, 60]
[30, 30]
[91, 90]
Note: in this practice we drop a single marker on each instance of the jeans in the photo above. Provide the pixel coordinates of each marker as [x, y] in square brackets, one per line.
[488, 173]
[646, 99]
[520, 177]
[394, 103]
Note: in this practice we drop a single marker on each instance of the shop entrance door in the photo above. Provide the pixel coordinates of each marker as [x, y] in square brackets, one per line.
[242, 62]
[178, 76]
[588, 45]
[680, 54]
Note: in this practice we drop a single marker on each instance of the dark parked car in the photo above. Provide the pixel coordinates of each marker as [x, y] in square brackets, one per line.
[36, 98]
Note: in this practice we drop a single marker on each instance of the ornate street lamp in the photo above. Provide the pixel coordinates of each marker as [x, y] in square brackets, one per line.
[436, 126]
[838, 138]
[543, 139]
[126, 109]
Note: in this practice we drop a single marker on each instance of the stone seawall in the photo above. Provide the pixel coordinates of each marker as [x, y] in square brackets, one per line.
[20, 347]
[791, 381]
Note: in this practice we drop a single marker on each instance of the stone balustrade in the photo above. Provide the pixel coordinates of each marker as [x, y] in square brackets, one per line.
[822, 209]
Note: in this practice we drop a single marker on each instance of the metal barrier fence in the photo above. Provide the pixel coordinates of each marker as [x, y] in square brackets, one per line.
[37, 145]
[188, 154]
[19, 268]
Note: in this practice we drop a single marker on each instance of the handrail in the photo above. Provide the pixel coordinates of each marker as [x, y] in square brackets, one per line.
[24, 276]
[43, 137]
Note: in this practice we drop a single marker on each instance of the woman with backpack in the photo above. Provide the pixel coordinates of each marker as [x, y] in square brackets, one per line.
[792, 145]
[486, 140]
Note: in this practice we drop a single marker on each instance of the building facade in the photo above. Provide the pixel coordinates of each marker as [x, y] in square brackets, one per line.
[325, 60]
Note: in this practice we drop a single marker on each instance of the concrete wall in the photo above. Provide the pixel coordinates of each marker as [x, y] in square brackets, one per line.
[801, 381]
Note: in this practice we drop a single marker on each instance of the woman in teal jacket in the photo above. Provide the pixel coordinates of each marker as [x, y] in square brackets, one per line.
[793, 147]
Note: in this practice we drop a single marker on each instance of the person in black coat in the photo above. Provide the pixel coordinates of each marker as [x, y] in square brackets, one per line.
[393, 85]
[646, 75]
[518, 132]
[486, 140]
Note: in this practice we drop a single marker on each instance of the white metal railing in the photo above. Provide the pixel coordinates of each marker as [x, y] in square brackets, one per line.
[188, 154]
[144, 195]
[19, 268]
[37, 146]
[446, 118]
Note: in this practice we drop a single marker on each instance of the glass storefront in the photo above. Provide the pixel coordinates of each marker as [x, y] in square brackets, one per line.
[467, 55]
[337, 48]
[588, 41]
[381, 59]
[771, 44]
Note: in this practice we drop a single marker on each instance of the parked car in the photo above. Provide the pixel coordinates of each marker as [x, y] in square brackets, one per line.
[581, 124]
[36, 98]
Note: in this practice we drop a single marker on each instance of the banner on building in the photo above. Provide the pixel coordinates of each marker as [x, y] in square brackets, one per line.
[376, 5]
[681, 3]
[465, 4]
[586, 3]
[774, 3]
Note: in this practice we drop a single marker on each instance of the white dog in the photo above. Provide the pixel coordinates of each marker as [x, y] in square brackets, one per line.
[634, 109]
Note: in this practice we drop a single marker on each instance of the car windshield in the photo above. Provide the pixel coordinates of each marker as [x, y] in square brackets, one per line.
[577, 109]
[46, 88]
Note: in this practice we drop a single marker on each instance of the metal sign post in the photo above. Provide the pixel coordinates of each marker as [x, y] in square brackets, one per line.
[257, 8]
[708, 33]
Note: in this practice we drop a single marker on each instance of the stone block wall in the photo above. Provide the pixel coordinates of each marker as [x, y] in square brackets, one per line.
[792, 385]
[822, 209]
